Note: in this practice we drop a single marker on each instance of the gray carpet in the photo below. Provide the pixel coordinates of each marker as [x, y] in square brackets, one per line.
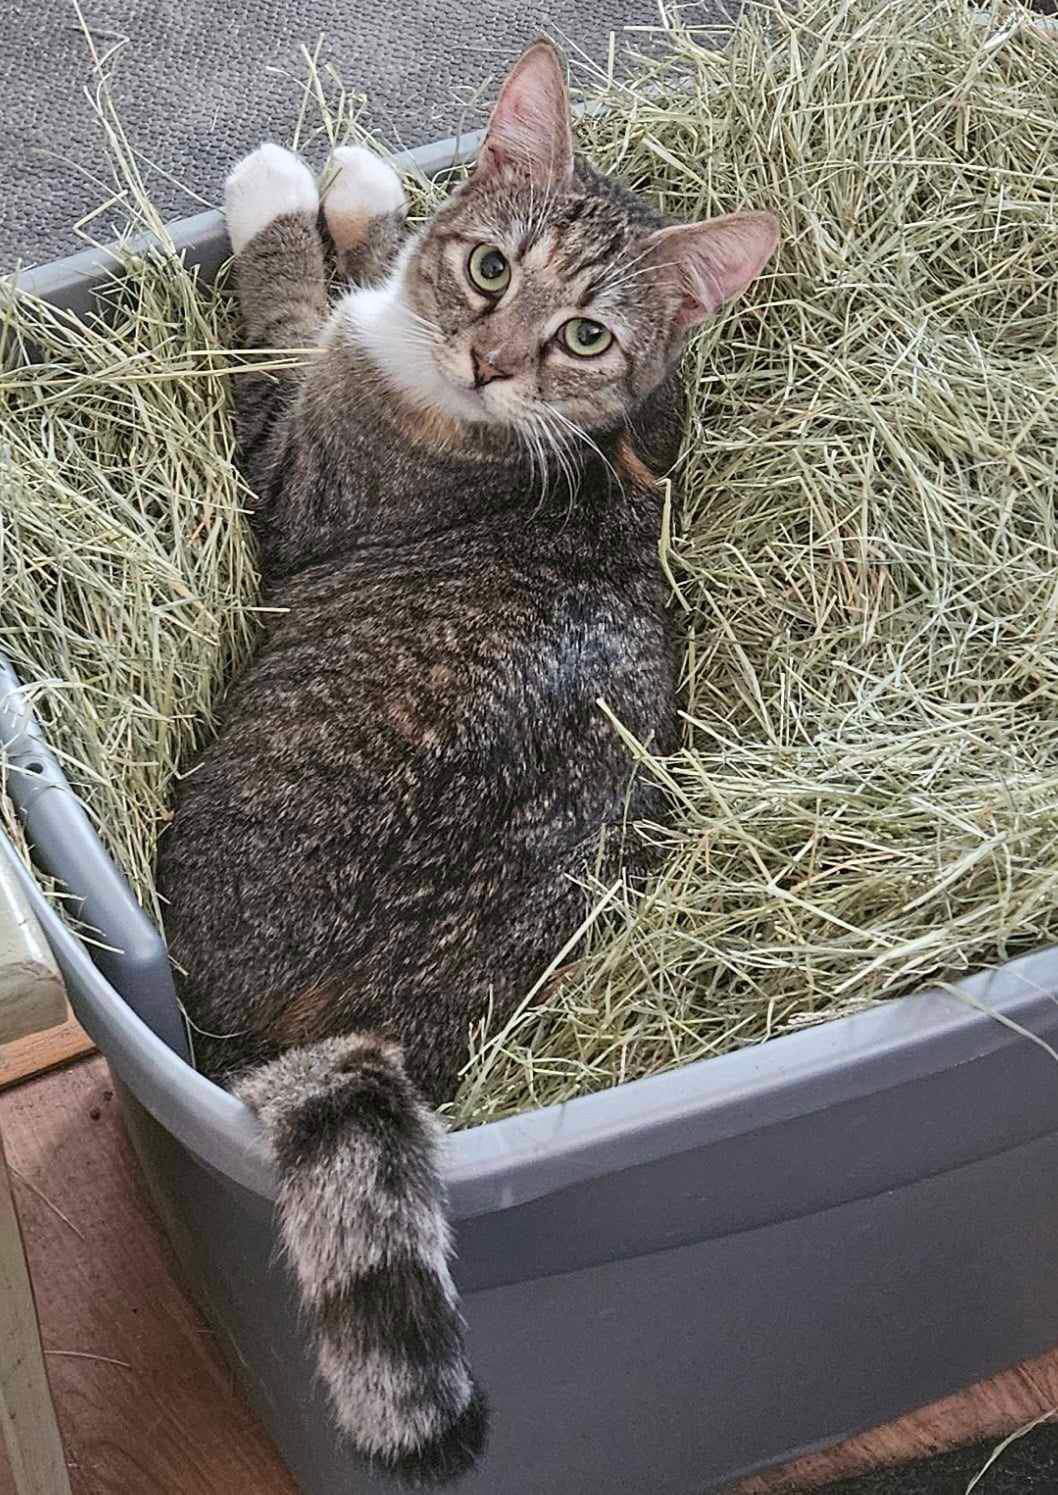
[200, 82]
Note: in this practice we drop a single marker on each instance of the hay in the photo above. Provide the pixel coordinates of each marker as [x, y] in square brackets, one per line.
[127, 578]
[867, 564]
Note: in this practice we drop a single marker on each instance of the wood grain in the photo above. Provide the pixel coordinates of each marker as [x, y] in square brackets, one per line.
[988, 1410]
[146, 1404]
[7, 1479]
[41, 1052]
[30, 1437]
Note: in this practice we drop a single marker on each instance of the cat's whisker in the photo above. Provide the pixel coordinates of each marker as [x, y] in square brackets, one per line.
[625, 262]
[546, 440]
[421, 325]
[623, 271]
[546, 443]
[545, 476]
[415, 337]
[525, 435]
[419, 335]
[562, 443]
[549, 194]
[618, 283]
[425, 322]
[571, 477]
[580, 434]
[540, 459]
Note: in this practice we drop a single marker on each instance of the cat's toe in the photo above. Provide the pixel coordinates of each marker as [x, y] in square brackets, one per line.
[365, 188]
[265, 185]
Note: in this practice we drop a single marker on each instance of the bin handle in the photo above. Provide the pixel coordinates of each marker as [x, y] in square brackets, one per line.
[65, 844]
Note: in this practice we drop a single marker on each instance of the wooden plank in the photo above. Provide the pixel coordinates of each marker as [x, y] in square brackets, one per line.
[36, 1462]
[144, 1399]
[7, 1479]
[990, 1409]
[43, 1051]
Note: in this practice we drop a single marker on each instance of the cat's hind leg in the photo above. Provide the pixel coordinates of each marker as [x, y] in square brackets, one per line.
[271, 206]
[365, 211]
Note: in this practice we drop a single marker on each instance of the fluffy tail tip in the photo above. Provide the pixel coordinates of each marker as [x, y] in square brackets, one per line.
[362, 1215]
[446, 1458]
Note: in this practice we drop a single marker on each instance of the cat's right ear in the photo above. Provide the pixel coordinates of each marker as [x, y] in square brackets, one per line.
[529, 135]
[708, 264]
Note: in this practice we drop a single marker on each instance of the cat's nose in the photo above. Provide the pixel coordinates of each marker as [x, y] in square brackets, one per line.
[486, 368]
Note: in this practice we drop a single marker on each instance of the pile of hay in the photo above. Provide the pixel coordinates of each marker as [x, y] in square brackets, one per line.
[867, 565]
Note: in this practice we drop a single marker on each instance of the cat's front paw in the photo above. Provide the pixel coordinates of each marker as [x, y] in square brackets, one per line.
[267, 183]
[365, 188]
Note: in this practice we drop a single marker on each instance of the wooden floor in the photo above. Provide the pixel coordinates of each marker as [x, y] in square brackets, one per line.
[146, 1404]
[989, 1410]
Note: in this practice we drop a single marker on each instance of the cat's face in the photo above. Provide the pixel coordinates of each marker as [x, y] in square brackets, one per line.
[540, 302]
[543, 294]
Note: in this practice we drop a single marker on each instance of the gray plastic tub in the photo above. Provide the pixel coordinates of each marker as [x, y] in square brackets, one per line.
[669, 1284]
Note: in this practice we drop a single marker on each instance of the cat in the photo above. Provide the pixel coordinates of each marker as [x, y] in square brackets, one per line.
[458, 510]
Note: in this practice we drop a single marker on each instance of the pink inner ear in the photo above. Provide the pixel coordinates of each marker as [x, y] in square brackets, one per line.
[529, 131]
[712, 263]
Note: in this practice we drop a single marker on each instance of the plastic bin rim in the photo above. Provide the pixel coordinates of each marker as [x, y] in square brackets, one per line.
[64, 281]
[506, 1163]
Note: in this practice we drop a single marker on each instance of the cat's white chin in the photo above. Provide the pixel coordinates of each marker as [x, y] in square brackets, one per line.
[381, 324]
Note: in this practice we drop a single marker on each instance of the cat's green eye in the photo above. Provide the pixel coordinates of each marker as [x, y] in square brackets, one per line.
[586, 338]
[488, 270]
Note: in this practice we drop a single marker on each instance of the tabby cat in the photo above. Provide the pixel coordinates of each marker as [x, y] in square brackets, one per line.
[458, 513]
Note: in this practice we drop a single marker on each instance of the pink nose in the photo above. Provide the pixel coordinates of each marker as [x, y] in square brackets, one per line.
[486, 369]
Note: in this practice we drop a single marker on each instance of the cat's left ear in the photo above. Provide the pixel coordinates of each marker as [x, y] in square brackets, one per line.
[709, 264]
[529, 134]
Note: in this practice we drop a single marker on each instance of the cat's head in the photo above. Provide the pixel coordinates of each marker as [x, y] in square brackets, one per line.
[541, 291]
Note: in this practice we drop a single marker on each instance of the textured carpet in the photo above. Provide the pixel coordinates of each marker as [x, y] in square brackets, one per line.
[202, 81]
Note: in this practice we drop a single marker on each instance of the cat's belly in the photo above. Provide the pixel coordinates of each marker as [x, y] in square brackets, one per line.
[411, 933]
[389, 832]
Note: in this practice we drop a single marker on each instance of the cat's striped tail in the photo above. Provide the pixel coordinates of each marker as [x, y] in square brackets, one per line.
[362, 1216]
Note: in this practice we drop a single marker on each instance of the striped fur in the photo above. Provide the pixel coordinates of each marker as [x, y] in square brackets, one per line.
[391, 832]
[362, 1216]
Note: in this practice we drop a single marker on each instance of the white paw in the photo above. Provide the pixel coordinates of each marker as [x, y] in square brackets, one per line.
[268, 182]
[365, 188]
